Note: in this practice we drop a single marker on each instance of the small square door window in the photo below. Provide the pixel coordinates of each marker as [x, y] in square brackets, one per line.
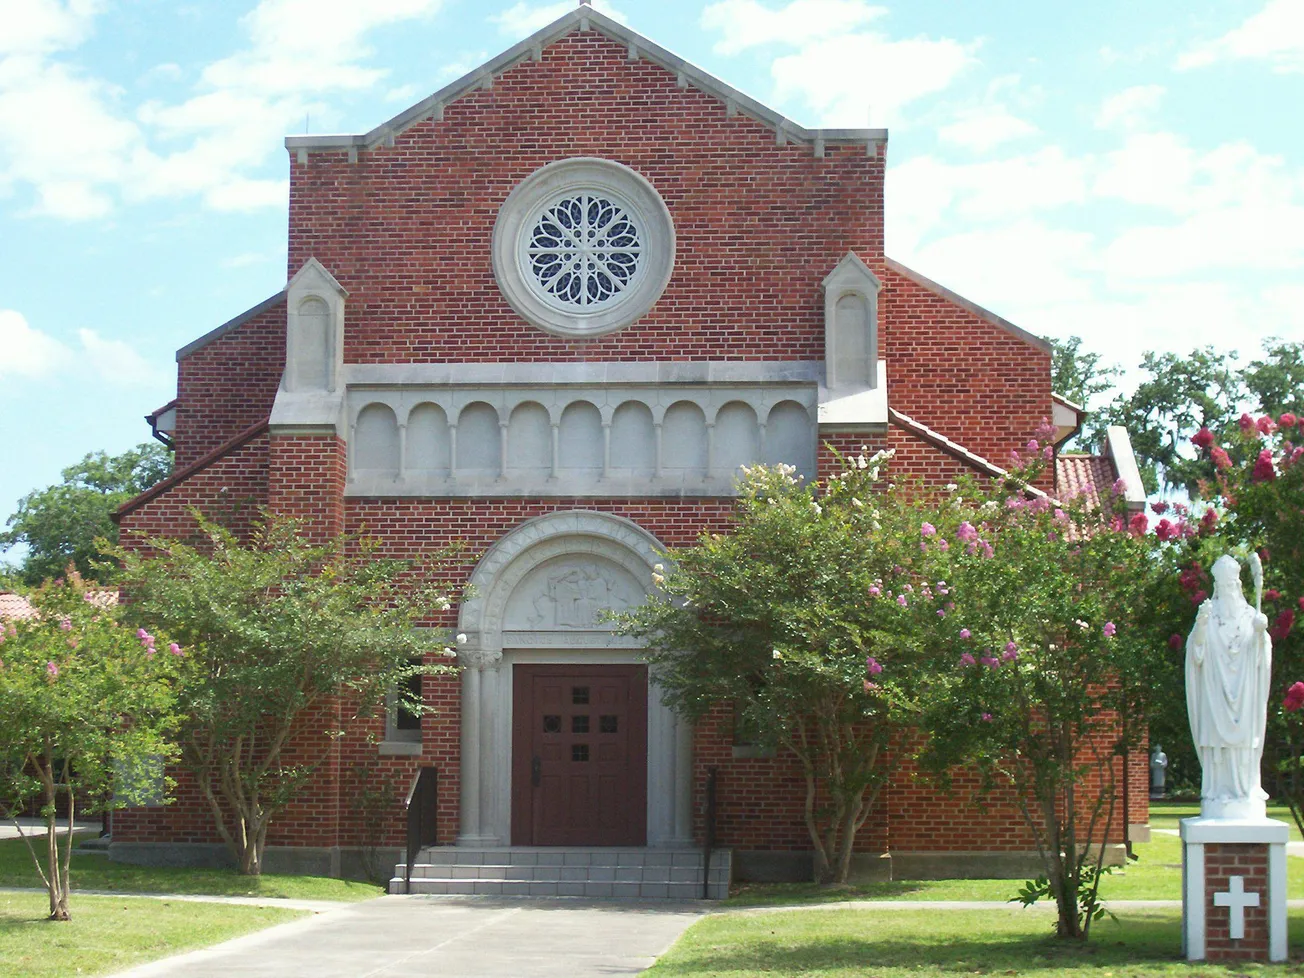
[579, 752]
[580, 695]
[580, 723]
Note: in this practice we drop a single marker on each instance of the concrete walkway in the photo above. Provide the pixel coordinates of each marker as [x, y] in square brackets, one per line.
[489, 937]
[450, 937]
[312, 906]
[35, 828]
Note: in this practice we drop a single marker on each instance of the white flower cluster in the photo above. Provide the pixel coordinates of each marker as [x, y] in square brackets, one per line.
[658, 574]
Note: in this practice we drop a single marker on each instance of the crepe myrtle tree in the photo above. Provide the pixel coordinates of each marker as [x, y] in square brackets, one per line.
[86, 706]
[806, 617]
[286, 636]
[1256, 504]
[1032, 663]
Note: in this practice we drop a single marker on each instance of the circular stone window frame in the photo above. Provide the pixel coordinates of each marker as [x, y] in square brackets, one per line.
[524, 207]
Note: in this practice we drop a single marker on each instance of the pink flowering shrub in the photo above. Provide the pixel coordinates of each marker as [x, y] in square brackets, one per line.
[84, 713]
[1050, 618]
[1256, 502]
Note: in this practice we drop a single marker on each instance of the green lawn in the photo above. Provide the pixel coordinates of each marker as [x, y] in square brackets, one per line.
[1155, 875]
[108, 934]
[1167, 815]
[93, 871]
[922, 943]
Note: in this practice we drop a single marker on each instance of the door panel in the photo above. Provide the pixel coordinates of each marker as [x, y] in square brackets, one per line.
[579, 755]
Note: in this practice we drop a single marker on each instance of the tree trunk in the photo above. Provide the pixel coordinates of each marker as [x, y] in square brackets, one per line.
[847, 837]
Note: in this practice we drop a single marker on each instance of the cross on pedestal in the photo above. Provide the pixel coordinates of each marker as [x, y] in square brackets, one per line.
[1235, 899]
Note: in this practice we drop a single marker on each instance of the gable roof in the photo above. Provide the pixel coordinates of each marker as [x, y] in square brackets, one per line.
[585, 19]
[925, 282]
[230, 324]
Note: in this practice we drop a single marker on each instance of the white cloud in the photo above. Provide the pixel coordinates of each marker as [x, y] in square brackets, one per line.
[1026, 263]
[1275, 35]
[40, 103]
[1253, 237]
[855, 80]
[1130, 108]
[27, 352]
[925, 193]
[984, 128]
[168, 72]
[848, 78]
[403, 93]
[42, 26]
[523, 18]
[210, 144]
[748, 23]
[116, 363]
[1163, 170]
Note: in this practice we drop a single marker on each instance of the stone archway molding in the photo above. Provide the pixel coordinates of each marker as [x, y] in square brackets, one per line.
[492, 647]
[572, 533]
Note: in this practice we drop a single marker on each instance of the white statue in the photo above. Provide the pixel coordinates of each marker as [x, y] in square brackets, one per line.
[1228, 667]
[1158, 772]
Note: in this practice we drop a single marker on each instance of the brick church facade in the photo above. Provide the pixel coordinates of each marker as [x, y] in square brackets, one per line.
[546, 313]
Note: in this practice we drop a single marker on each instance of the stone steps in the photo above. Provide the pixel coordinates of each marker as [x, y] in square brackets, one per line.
[647, 874]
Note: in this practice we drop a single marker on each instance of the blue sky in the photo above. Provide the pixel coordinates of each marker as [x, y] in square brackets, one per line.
[1131, 173]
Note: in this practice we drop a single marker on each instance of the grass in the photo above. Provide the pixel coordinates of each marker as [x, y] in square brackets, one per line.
[107, 934]
[920, 944]
[1167, 815]
[1155, 875]
[93, 871]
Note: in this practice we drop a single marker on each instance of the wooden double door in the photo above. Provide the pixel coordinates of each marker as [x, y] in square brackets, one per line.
[579, 755]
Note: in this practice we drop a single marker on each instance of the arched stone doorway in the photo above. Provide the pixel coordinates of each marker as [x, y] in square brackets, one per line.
[537, 595]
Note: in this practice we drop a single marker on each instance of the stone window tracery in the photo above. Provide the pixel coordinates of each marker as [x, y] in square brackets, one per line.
[583, 247]
[584, 250]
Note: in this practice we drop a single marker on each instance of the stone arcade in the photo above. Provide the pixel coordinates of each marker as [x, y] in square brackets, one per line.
[548, 312]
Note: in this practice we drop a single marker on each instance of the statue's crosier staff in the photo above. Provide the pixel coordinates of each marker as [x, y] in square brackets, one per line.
[1256, 572]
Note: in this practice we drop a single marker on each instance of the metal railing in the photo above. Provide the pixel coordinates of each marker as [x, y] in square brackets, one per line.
[712, 775]
[422, 806]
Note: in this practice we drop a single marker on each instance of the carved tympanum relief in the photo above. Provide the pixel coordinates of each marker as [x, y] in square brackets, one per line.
[571, 593]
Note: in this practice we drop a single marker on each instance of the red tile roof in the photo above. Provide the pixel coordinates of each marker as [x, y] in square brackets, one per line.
[1089, 475]
[15, 606]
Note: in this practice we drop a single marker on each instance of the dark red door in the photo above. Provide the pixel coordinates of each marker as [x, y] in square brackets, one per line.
[579, 756]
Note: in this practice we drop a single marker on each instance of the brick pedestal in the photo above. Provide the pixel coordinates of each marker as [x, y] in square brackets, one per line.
[1234, 889]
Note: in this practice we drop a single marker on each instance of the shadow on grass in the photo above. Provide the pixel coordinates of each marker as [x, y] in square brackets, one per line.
[94, 871]
[759, 894]
[1140, 944]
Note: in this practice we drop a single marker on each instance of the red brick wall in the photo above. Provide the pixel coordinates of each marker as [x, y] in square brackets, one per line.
[229, 384]
[1221, 862]
[407, 229]
[230, 490]
[966, 378]
[305, 480]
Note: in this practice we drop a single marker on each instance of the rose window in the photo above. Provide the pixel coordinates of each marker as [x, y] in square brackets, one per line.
[584, 250]
[583, 247]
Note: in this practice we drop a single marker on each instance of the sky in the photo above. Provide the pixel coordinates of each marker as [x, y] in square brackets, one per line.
[1131, 173]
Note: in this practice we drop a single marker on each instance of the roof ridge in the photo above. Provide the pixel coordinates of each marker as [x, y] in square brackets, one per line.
[954, 448]
[585, 18]
[181, 475]
[924, 281]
